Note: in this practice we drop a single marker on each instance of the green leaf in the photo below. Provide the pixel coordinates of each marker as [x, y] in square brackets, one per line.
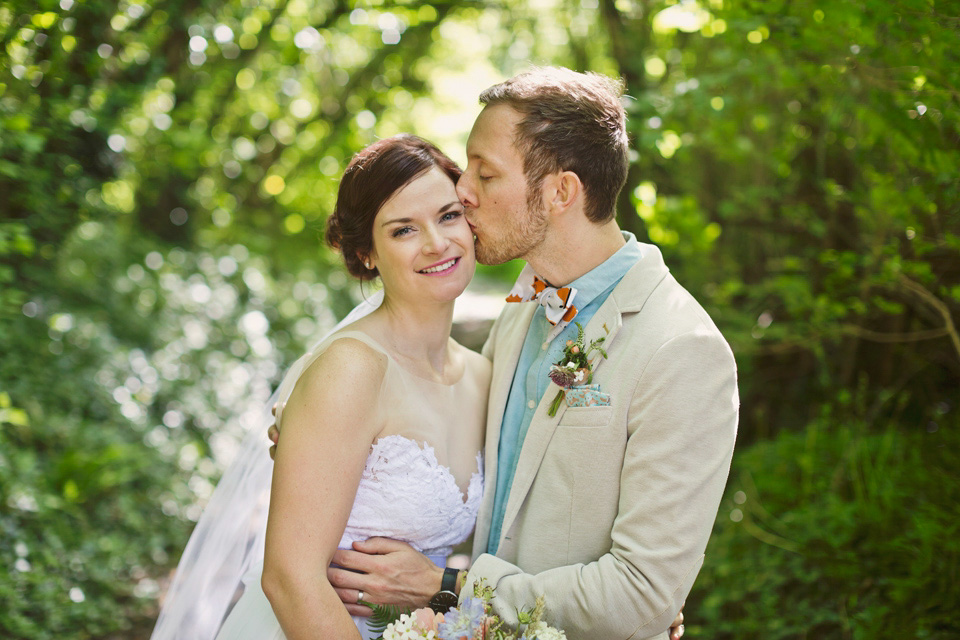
[384, 615]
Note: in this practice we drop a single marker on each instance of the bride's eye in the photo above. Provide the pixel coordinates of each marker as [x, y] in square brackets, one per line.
[400, 232]
[451, 215]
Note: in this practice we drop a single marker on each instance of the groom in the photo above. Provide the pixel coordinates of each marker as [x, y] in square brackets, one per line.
[605, 510]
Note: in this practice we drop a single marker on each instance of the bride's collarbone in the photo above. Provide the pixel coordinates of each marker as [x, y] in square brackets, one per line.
[448, 372]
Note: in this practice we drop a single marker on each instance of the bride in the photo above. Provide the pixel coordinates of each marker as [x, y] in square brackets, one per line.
[382, 421]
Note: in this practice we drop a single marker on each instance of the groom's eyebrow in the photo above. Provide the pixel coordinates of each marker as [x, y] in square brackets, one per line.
[443, 209]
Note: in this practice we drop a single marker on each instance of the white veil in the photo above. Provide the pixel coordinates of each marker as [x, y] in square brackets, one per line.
[228, 538]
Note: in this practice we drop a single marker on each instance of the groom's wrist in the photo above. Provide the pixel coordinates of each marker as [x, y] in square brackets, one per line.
[436, 581]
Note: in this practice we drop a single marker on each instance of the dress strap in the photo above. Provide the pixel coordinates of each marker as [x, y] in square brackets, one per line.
[357, 335]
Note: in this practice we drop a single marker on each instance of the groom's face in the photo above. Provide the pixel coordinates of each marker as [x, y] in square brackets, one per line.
[493, 189]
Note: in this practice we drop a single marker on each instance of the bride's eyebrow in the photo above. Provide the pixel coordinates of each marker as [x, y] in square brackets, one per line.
[449, 205]
[443, 209]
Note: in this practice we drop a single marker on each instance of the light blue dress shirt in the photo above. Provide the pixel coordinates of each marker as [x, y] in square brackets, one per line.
[530, 379]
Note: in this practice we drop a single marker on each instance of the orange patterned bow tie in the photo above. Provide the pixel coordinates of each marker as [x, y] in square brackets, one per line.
[557, 303]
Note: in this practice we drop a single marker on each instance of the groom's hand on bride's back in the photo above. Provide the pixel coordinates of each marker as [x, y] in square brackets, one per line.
[387, 572]
[273, 433]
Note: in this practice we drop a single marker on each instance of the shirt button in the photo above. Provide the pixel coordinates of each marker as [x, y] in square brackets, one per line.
[544, 346]
[532, 404]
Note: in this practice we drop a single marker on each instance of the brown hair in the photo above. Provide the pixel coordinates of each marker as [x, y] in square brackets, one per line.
[372, 177]
[571, 122]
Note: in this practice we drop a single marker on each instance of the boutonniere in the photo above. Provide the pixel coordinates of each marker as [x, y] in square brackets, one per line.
[573, 369]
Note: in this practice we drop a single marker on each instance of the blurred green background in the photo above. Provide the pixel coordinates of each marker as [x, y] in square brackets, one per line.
[166, 168]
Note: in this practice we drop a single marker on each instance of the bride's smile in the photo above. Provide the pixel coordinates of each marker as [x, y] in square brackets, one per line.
[444, 268]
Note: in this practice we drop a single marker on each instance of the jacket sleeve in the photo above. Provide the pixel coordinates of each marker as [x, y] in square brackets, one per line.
[681, 429]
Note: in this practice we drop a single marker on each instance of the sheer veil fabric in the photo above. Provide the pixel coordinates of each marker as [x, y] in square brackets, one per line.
[228, 538]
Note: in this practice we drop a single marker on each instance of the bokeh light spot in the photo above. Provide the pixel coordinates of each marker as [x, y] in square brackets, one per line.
[294, 223]
[274, 185]
[655, 67]
[246, 79]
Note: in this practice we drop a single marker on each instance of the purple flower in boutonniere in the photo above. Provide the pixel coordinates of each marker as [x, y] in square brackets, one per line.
[573, 367]
[567, 376]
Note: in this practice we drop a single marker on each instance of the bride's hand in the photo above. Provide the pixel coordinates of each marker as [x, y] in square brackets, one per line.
[676, 627]
[273, 433]
[392, 572]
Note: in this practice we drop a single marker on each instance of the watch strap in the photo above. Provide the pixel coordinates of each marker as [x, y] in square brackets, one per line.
[449, 581]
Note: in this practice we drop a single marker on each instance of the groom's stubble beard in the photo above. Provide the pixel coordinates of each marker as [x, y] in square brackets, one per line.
[523, 233]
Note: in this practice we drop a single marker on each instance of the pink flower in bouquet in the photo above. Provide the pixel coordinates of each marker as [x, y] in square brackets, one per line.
[426, 620]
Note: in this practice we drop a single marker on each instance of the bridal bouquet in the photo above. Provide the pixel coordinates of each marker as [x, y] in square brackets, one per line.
[471, 620]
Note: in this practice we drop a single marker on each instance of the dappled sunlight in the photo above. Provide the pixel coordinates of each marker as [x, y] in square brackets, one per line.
[166, 173]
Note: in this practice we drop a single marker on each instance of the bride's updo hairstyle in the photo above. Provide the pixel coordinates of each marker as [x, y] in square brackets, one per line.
[371, 178]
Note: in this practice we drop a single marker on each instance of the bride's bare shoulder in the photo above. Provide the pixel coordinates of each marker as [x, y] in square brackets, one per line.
[347, 361]
[475, 363]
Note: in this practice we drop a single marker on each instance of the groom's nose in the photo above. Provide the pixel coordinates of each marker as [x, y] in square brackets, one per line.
[466, 191]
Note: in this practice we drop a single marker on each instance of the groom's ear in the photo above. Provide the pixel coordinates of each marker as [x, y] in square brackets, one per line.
[562, 191]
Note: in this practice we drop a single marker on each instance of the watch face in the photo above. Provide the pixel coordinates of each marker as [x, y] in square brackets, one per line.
[443, 601]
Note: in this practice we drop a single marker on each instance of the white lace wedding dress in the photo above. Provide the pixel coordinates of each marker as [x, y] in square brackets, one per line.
[405, 493]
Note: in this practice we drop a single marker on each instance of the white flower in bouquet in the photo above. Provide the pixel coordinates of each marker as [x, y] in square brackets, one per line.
[542, 631]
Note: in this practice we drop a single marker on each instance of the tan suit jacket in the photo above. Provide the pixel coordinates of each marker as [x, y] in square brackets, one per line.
[611, 507]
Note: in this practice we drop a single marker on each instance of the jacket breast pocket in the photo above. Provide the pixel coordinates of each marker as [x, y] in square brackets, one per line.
[586, 417]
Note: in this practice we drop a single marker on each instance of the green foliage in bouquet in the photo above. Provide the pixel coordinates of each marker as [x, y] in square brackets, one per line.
[383, 616]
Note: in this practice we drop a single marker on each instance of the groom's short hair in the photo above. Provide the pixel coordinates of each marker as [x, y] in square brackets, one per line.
[570, 122]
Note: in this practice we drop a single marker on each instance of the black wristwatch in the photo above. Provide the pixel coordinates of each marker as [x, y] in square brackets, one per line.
[445, 599]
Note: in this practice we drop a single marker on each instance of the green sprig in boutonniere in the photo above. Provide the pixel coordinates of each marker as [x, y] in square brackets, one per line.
[573, 367]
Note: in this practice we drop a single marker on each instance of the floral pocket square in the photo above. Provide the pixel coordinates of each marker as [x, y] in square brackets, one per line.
[586, 395]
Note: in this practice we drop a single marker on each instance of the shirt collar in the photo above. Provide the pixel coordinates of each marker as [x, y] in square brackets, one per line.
[607, 273]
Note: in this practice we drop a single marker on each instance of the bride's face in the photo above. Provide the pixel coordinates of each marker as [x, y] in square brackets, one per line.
[422, 244]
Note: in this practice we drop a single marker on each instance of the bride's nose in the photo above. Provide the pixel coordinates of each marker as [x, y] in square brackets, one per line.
[436, 242]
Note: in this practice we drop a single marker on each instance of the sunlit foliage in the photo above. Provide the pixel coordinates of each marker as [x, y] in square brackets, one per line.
[166, 168]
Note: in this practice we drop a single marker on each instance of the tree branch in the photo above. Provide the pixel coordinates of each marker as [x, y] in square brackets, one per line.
[939, 305]
[883, 336]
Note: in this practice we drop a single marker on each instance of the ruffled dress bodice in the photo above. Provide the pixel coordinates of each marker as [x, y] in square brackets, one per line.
[407, 495]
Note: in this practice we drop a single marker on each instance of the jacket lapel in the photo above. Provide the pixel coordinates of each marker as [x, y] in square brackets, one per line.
[629, 296]
[513, 331]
